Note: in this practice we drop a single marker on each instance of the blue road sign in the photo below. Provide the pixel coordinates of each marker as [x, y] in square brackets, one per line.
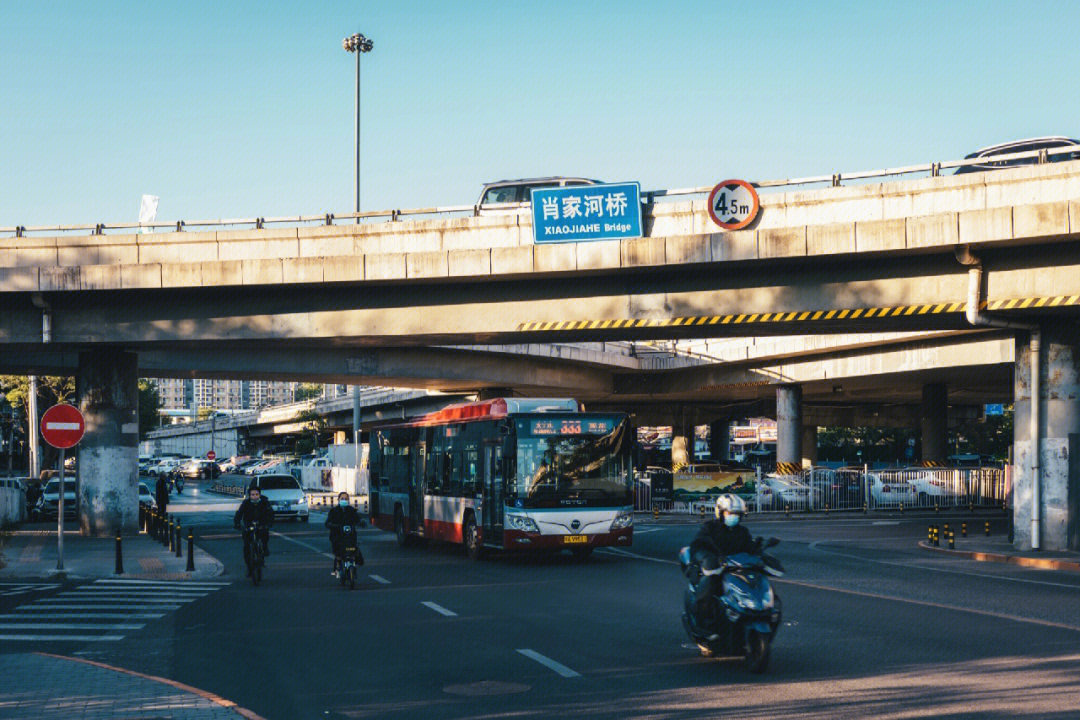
[586, 212]
[995, 409]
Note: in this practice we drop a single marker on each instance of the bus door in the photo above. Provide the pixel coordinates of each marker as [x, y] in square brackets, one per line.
[416, 487]
[493, 493]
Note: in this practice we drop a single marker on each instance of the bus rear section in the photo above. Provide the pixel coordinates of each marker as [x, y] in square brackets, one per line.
[507, 474]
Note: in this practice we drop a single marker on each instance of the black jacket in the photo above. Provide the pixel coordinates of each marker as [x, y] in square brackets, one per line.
[161, 491]
[249, 512]
[340, 516]
[727, 541]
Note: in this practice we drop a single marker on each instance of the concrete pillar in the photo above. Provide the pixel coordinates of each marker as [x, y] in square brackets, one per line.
[682, 439]
[340, 437]
[1059, 430]
[357, 412]
[935, 422]
[788, 427]
[719, 440]
[809, 445]
[34, 434]
[108, 396]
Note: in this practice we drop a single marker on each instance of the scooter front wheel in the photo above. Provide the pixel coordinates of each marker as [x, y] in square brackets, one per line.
[758, 646]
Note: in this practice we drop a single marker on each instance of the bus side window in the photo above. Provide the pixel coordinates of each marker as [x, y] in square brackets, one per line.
[470, 471]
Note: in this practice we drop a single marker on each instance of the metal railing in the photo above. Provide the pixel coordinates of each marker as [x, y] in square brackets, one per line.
[649, 197]
[857, 489]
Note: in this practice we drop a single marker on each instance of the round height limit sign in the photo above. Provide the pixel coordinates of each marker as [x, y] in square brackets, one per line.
[733, 204]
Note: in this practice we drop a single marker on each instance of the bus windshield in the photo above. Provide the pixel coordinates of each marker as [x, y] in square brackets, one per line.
[572, 462]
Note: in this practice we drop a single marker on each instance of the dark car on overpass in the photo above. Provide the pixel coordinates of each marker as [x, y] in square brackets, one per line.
[1048, 143]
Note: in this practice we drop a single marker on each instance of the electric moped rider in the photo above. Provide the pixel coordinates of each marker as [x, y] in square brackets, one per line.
[254, 508]
[338, 517]
[717, 539]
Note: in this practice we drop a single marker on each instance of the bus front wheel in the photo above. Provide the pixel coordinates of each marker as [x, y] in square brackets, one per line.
[399, 528]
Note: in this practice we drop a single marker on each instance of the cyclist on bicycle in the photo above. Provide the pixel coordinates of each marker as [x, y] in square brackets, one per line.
[338, 517]
[254, 509]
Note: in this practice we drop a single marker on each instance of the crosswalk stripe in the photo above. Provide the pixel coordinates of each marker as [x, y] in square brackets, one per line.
[60, 638]
[71, 626]
[119, 594]
[85, 615]
[163, 583]
[115, 601]
[98, 606]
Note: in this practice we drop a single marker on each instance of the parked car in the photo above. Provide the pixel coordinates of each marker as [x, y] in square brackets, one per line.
[1039, 143]
[787, 492]
[890, 488]
[165, 466]
[198, 470]
[146, 497]
[50, 496]
[931, 486]
[285, 495]
[520, 191]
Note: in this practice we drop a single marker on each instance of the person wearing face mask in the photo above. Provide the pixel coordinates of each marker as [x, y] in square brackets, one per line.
[717, 538]
[339, 516]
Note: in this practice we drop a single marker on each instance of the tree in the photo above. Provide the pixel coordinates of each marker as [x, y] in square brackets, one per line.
[149, 404]
[308, 391]
[314, 424]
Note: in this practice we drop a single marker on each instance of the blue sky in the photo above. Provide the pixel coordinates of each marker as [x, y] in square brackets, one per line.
[241, 109]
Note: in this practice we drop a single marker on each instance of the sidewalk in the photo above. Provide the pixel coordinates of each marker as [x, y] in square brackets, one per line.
[998, 549]
[32, 554]
[41, 686]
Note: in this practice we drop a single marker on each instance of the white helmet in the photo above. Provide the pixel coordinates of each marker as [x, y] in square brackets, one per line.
[729, 503]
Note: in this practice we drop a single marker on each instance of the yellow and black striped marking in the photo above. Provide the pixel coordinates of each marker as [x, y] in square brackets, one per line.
[798, 315]
[783, 468]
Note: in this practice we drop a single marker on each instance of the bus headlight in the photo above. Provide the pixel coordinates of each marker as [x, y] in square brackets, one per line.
[522, 523]
[622, 521]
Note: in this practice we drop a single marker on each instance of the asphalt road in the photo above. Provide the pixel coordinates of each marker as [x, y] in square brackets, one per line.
[873, 627]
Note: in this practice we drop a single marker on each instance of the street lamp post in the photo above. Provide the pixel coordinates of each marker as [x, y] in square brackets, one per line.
[357, 44]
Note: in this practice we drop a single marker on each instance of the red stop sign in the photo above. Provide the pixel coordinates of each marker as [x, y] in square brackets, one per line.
[62, 426]
[211, 455]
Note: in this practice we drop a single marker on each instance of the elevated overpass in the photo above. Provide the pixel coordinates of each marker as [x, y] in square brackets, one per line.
[379, 302]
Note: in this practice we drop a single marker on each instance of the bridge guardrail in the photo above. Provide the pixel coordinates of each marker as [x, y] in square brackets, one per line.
[834, 179]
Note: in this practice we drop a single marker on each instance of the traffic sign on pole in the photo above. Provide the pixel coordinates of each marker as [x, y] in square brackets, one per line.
[211, 455]
[733, 204]
[62, 426]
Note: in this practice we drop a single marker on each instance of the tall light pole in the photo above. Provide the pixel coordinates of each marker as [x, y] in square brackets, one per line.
[357, 44]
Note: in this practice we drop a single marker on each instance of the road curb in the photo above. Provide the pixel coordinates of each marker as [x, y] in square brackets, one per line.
[216, 699]
[1039, 563]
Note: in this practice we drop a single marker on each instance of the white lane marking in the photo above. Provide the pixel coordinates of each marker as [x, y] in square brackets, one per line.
[61, 638]
[627, 553]
[96, 606]
[70, 626]
[885, 522]
[302, 544]
[179, 584]
[816, 546]
[549, 663]
[438, 608]
[379, 579]
[88, 616]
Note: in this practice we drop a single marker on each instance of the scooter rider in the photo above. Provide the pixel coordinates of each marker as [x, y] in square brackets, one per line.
[338, 517]
[254, 508]
[724, 535]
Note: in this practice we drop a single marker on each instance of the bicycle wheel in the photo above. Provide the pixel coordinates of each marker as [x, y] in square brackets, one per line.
[352, 577]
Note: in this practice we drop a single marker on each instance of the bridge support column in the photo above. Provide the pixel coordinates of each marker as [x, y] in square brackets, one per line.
[809, 446]
[357, 413]
[108, 469]
[719, 440]
[1059, 431]
[788, 427]
[935, 422]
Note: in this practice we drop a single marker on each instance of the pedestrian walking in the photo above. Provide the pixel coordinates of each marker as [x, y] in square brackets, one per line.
[161, 493]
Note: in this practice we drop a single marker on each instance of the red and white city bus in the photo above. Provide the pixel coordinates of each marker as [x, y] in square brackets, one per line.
[512, 474]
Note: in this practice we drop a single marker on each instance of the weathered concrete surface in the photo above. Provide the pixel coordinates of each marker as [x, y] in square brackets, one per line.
[809, 444]
[1059, 426]
[108, 397]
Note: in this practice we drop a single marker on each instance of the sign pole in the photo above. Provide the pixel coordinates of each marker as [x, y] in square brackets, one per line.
[60, 517]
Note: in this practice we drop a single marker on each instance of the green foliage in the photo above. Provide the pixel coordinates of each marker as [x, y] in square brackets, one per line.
[308, 391]
[149, 404]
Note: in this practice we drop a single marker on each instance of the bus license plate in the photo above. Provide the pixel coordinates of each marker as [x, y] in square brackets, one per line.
[574, 539]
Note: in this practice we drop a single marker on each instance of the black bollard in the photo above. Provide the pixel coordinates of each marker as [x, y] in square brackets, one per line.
[930, 534]
[179, 542]
[987, 527]
[963, 529]
[952, 540]
[119, 570]
[142, 513]
[169, 533]
[190, 551]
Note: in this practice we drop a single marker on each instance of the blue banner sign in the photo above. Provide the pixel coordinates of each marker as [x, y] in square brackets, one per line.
[586, 212]
[992, 409]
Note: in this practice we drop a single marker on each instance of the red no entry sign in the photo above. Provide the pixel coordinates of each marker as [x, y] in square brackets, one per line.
[62, 426]
[211, 455]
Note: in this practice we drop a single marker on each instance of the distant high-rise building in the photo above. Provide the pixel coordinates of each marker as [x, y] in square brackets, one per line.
[181, 394]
